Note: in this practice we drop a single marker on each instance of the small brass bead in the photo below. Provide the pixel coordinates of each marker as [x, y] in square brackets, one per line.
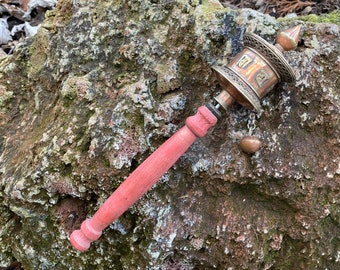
[250, 144]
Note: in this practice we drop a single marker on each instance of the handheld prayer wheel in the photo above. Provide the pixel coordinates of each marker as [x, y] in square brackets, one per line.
[246, 79]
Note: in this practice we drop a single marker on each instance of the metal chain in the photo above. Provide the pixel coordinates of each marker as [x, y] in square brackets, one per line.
[251, 125]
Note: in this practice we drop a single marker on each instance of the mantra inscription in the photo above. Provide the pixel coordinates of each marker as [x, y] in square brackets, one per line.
[255, 71]
[244, 61]
[262, 77]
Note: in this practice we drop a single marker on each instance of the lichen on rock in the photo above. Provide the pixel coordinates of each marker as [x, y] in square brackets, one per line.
[4, 95]
[103, 84]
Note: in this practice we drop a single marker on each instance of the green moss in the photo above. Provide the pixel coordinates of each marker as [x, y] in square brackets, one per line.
[4, 95]
[135, 119]
[270, 257]
[209, 9]
[64, 9]
[333, 17]
[38, 51]
[59, 16]
[105, 161]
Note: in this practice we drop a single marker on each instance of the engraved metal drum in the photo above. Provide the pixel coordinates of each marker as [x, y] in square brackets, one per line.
[254, 71]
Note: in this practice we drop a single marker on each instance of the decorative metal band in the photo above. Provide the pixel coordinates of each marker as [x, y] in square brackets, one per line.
[240, 85]
[272, 54]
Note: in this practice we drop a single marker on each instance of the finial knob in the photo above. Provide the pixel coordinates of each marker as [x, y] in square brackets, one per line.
[289, 38]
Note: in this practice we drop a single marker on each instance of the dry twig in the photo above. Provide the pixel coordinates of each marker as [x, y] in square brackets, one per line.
[288, 6]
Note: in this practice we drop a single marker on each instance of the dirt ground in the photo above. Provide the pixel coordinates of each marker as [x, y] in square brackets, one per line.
[284, 7]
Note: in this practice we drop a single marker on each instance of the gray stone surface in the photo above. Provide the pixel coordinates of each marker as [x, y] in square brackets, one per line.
[104, 83]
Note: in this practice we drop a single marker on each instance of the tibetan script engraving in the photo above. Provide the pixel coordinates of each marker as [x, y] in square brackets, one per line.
[262, 77]
[244, 61]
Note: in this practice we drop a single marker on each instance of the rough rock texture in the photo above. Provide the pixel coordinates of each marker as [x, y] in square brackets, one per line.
[104, 83]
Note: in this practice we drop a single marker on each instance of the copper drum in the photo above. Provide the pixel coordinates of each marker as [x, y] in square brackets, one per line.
[253, 68]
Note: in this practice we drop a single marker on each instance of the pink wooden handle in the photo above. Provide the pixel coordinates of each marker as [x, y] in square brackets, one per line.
[141, 180]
